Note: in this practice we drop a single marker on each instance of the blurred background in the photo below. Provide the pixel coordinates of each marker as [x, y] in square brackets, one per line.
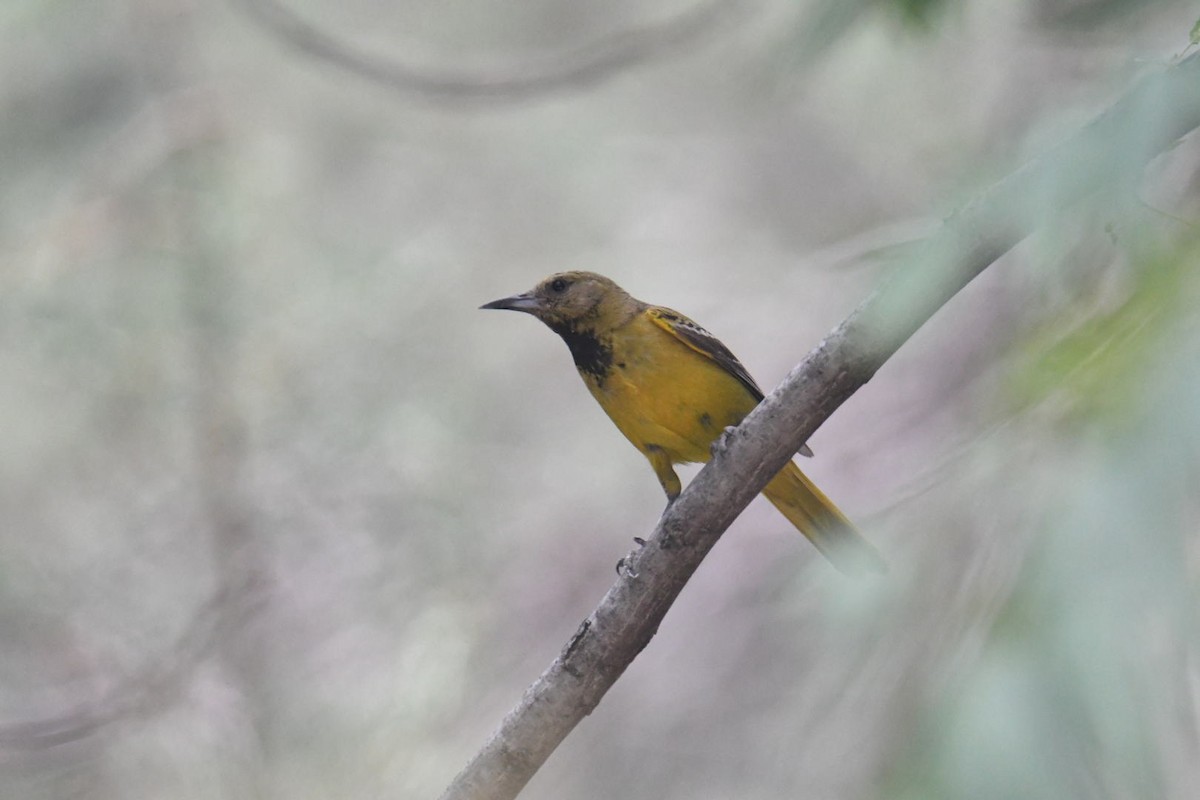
[283, 515]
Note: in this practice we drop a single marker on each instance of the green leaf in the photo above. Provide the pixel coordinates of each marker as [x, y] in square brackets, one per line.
[1095, 364]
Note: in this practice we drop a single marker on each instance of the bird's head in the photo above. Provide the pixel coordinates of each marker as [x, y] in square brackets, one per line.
[572, 300]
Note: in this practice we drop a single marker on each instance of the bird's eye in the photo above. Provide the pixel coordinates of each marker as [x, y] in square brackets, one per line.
[558, 285]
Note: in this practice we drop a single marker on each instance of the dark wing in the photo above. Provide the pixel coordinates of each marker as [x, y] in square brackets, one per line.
[704, 343]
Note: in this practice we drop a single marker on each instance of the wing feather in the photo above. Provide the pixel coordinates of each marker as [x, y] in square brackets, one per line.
[704, 343]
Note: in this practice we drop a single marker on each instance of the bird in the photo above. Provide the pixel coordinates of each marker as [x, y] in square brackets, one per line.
[672, 388]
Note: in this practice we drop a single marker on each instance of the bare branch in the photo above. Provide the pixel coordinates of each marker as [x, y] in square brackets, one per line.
[1157, 111]
[584, 66]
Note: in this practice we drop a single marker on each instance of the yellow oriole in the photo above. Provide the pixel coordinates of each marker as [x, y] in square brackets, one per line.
[672, 388]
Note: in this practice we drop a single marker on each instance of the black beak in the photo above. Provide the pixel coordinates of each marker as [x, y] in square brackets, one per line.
[518, 302]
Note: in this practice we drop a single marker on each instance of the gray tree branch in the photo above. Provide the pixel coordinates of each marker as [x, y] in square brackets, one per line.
[582, 66]
[1108, 153]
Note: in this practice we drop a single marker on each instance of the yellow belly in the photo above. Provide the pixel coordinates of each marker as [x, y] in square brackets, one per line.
[668, 396]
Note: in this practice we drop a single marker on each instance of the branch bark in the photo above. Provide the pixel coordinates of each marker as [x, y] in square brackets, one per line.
[1110, 152]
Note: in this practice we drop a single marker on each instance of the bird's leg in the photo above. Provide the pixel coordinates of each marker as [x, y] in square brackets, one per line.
[660, 462]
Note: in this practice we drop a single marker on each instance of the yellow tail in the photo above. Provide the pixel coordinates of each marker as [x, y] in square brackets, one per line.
[806, 507]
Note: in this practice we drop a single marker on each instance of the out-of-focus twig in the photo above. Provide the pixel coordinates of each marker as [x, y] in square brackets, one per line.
[154, 135]
[147, 689]
[1154, 114]
[177, 128]
[886, 242]
[581, 67]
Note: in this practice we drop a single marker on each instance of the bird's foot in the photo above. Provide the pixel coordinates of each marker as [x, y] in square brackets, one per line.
[722, 441]
[626, 567]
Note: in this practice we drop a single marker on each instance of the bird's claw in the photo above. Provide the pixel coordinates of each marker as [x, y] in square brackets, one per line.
[722, 441]
[625, 566]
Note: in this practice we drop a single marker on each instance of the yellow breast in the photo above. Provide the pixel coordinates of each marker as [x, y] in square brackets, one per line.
[661, 393]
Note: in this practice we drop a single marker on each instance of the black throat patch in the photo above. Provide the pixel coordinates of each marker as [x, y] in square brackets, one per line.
[591, 355]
